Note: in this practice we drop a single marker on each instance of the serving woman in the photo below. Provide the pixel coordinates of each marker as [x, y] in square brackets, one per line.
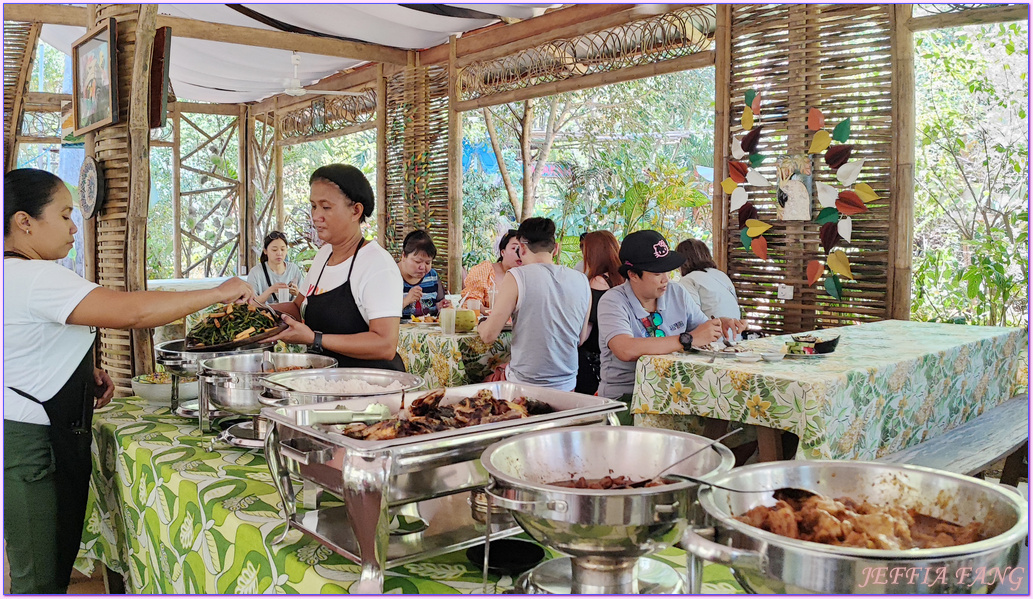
[422, 291]
[350, 299]
[486, 276]
[51, 386]
[274, 277]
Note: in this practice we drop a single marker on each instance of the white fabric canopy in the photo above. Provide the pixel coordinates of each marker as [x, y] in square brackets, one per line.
[205, 71]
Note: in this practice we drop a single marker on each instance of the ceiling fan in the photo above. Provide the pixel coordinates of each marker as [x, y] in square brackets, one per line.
[294, 87]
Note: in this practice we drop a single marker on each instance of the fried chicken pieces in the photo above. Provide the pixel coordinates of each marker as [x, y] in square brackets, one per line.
[427, 415]
[846, 523]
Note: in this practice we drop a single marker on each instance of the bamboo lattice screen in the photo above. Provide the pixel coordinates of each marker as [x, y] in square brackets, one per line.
[417, 158]
[261, 212]
[19, 47]
[835, 58]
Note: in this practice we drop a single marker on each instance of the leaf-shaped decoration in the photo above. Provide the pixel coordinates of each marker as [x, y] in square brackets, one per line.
[755, 178]
[755, 105]
[848, 173]
[756, 227]
[834, 287]
[865, 192]
[747, 119]
[827, 215]
[756, 159]
[840, 264]
[820, 142]
[749, 141]
[829, 235]
[737, 152]
[814, 269]
[729, 185]
[815, 119]
[747, 212]
[737, 171]
[750, 95]
[739, 197]
[842, 131]
[845, 226]
[759, 245]
[836, 156]
[744, 237]
[826, 194]
[849, 204]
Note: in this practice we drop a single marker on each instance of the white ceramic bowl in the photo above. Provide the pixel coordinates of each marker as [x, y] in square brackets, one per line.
[772, 357]
[162, 392]
[747, 357]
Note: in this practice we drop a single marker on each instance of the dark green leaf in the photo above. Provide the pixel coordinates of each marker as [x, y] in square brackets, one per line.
[746, 240]
[750, 95]
[756, 159]
[833, 286]
[842, 131]
[827, 215]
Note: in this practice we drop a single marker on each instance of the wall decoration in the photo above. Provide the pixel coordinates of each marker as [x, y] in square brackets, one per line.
[94, 92]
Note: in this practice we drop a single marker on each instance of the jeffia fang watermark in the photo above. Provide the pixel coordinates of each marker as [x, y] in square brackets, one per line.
[1008, 577]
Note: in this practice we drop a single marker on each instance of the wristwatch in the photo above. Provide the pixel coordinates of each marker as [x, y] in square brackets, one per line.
[317, 343]
[686, 341]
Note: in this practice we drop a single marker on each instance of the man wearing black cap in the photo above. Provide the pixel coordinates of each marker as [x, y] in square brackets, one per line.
[647, 316]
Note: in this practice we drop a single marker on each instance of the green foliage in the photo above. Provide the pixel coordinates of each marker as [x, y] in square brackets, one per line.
[486, 210]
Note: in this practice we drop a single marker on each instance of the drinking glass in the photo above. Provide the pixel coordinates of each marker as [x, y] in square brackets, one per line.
[447, 319]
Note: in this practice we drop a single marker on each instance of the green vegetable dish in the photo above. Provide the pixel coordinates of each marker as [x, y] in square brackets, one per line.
[228, 323]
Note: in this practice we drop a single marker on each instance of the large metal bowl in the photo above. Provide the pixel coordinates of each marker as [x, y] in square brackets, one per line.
[174, 356]
[604, 531]
[765, 562]
[277, 396]
[234, 383]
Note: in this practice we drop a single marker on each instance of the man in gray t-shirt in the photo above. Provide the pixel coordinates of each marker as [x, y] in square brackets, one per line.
[646, 315]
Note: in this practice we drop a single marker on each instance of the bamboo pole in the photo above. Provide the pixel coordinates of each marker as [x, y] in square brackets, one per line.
[177, 207]
[278, 165]
[140, 178]
[722, 111]
[902, 157]
[975, 16]
[455, 176]
[90, 150]
[381, 157]
[243, 203]
[20, 88]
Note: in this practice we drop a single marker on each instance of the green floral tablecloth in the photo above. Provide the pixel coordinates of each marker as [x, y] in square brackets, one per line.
[889, 385]
[172, 516]
[450, 360]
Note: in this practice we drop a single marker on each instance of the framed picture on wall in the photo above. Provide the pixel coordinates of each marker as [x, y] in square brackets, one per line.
[94, 81]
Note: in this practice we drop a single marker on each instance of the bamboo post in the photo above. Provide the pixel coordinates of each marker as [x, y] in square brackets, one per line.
[721, 235]
[243, 203]
[902, 161]
[455, 176]
[381, 157]
[140, 178]
[177, 208]
[278, 174]
[90, 150]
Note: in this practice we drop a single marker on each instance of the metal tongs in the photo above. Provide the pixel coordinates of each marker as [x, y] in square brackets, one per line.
[374, 412]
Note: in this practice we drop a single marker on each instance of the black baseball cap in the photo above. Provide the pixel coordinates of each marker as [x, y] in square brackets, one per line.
[648, 251]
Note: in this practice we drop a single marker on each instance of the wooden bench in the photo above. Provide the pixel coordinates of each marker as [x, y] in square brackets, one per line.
[978, 444]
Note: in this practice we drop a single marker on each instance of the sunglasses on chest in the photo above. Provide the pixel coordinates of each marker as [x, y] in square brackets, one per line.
[652, 324]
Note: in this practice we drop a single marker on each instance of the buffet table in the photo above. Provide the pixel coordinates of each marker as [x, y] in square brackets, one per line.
[450, 360]
[888, 385]
[173, 515]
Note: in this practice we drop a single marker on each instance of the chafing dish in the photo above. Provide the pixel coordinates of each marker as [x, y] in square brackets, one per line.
[764, 562]
[276, 394]
[374, 477]
[233, 383]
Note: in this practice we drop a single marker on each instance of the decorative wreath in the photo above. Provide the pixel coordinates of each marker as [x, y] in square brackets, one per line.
[794, 191]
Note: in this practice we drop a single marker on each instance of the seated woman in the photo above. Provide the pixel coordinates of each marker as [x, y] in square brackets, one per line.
[487, 276]
[275, 278]
[602, 266]
[711, 288]
[423, 292]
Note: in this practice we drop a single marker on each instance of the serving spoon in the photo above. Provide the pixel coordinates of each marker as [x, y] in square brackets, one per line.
[656, 478]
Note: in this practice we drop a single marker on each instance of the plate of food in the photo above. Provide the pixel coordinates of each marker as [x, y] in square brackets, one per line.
[229, 326]
[808, 346]
[428, 319]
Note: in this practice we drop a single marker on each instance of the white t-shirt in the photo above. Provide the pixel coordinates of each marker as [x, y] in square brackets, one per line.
[375, 280]
[713, 291]
[40, 351]
[291, 274]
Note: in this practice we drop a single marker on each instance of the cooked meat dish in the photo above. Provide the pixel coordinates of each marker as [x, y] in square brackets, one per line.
[426, 415]
[846, 523]
[608, 482]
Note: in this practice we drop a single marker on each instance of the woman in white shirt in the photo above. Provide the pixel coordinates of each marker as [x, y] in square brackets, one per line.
[274, 277]
[350, 298]
[711, 288]
[51, 386]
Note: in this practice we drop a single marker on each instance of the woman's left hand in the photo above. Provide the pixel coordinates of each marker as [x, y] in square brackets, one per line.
[105, 388]
[298, 332]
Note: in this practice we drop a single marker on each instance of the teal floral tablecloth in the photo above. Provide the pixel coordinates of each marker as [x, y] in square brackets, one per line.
[450, 360]
[174, 516]
[889, 385]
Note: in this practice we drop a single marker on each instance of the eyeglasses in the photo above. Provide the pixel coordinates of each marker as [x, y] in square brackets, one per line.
[652, 324]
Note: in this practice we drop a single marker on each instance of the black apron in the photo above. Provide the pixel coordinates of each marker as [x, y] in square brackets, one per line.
[70, 411]
[336, 313]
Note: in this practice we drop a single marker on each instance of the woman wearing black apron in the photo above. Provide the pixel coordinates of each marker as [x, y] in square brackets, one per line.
[351, 302]
[50, 384]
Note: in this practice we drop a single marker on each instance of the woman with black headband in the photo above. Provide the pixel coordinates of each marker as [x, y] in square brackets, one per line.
[349, 307]
[274, 277]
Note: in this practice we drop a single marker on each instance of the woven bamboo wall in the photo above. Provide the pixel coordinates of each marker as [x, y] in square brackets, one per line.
[19, 50]
[417, 158]
[835, 58]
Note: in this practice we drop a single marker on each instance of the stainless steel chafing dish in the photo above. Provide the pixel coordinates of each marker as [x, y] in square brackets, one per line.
[764, 562]
[430, 475]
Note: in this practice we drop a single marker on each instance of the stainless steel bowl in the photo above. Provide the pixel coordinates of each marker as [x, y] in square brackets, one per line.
[274, 395]
[234, 383]
[764, 562]
[177, 360]
[604, 531]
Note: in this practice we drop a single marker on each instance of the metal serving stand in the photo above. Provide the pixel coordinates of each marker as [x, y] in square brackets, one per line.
[434, 476]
